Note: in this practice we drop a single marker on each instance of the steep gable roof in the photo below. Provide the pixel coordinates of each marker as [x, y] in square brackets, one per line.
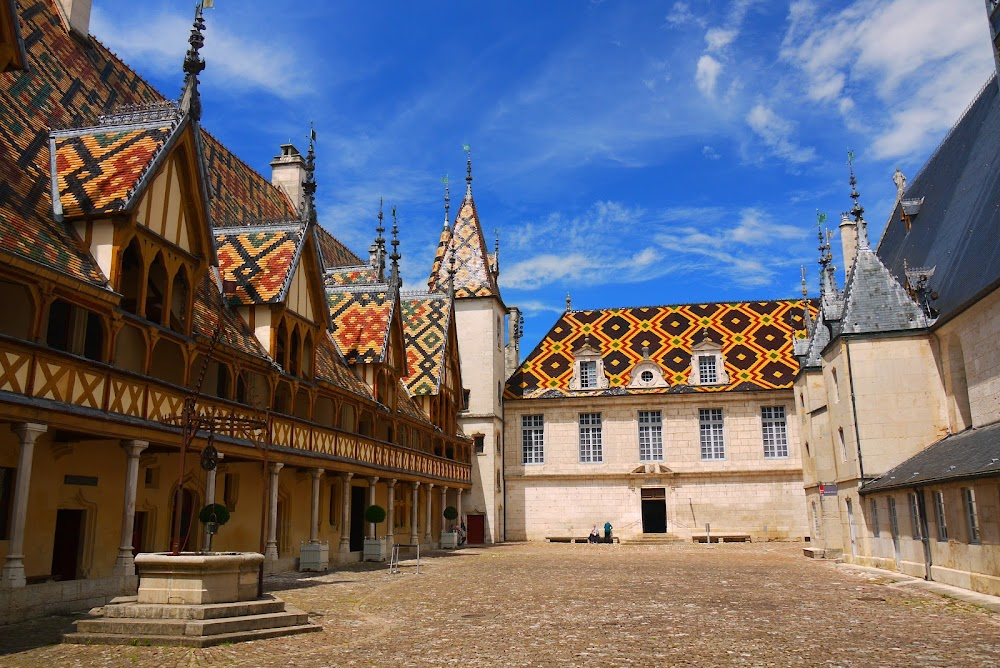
[260, 258]
[473, 269]
[955, 231]
[361, 317]
[756, 340]
[240, 195]
[426, 319]
[874, 301]
[209, 306]
[332, 368]
[358, 275]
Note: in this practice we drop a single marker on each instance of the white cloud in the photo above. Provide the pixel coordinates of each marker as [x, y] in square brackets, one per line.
[719, 38]
[776, 133]
[537, 307]
[709, 153]
[681, 15]
[234, 62]
[707, 74]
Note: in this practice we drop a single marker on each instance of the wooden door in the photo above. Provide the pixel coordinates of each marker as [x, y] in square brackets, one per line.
[476, 525]
[66, 547]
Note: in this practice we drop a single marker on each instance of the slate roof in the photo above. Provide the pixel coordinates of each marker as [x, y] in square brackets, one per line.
[756, 340]
[98, 169]
[426, 319]
[360, 317]
[261, 259]
[67, 84]
[874, 301]
[956, 229]
[473, 277]
[973, 453]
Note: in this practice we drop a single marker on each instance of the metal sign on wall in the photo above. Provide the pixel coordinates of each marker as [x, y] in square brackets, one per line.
[828, 489]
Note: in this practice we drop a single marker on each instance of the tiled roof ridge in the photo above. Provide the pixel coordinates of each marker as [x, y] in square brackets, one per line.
[733, 302]
[421, 294]
[342, 269]
[226, 230]
[357, 287]
[253, 171]
[293, 266]
[81, 131]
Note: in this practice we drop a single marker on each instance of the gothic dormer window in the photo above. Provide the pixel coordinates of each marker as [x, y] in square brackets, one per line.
[588, 368]
[647, 373]
[708, 366]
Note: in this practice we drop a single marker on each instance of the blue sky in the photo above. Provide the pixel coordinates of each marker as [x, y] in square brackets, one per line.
[628, 152]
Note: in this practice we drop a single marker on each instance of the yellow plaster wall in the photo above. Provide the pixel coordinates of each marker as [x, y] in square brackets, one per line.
[162, 206]
[299, 299]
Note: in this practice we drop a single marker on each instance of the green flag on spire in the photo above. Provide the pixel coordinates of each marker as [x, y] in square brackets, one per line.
[850, 157]
[444, 179]
[466, 148]
[820, 217]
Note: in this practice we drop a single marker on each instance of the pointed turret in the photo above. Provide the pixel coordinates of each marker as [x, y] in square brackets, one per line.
[475, 275]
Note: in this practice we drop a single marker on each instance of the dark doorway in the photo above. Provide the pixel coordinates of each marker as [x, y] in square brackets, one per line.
[139, 531]
[476, 525]
[187, 520]
[66, 549]
[654, 510]
[358, 518]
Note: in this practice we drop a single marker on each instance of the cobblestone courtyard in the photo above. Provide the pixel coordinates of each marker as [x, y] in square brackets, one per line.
[541, 604]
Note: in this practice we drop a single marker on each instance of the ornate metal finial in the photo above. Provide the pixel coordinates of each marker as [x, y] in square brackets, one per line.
[806, 315]
[496, 252]
[447, 203]
[394, 278]
[645, 352]
[823, 261]
[468, 171]
[569, 302]
[857, 211]
[451, 273]
[309, 187]
[194, 64]
[380, 228]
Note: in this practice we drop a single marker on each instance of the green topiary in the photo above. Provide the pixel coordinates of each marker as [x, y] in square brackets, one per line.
[451, 513]
[214, 512]
[375, 514]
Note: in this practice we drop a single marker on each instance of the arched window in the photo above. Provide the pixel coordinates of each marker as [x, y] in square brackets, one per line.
[283, 399]
[179, 297]
[281, 347]
[323, 411]
[303, 404]
[365, 423]
[156, 290]
[294, 350]
[168, 362]
[348, 420]
[130, 277]
[307, 356]
[19, 310]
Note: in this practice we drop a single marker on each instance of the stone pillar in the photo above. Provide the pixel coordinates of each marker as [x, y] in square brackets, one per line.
[427, 519]
[345, 515]
[271, 551]
[390, 512]
[210, 477]
[314, 517]
[458, 506]
[125, 565]
[444, 504]
[413, 514]
[13, 568]
[371, 502]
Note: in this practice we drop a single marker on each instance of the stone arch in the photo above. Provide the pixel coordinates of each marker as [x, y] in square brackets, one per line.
[131, 277]
[130, 349]
[180, 299]
[157, 282]
[167, 362]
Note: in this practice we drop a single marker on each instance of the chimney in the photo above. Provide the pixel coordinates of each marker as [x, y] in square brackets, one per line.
[848, 242]
[993, 14]
[288, 172]
[76, 13]
[515, 330]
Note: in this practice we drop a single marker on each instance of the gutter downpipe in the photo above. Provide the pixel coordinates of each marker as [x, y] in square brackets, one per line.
[854, 410]
[925, 537]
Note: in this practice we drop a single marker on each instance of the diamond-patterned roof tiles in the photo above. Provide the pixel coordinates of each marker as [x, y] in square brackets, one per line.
[361, 317]
[359, 275]
[473, 277]
[66, 85]
[330, 367]
[98, 169]
[756, 339]
[260, 259]
[239, 194]
[425, 327]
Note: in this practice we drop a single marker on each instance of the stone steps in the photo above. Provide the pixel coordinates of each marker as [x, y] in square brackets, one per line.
[654, 539]
[126, 622]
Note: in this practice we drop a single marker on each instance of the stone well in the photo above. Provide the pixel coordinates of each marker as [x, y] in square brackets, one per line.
[192, 578]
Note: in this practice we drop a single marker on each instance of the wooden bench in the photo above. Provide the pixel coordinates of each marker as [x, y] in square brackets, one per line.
[576, 539]
[721, 538]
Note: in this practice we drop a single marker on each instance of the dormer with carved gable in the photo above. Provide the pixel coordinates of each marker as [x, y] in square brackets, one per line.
[647, 373]
[708, 365]
[588, 368]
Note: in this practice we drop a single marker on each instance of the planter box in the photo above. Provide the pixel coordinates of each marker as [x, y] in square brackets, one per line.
[374, 550]
[449, 540]
[314, 557]
[193, 578]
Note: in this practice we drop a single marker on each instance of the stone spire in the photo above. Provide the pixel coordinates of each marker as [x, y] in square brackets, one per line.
[376, 251]
[194, 64]
[806, 315]
[394, 279]
[447, 205]
[496, 253]
[468, 173]
[857, 211]
[309, 186]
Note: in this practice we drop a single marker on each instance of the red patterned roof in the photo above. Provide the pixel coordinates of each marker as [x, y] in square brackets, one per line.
[98, 169]
[425, 329]
[756, 340]
[240, 194]
[361, 317]
[259, 259]
[331, 367]
[209, 305]
[360, 275]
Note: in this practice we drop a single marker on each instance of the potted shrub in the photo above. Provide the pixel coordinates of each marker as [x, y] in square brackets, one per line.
[449, 537]
[374, 547]
[213, 516]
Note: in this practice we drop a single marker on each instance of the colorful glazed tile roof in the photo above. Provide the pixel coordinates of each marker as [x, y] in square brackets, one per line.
[425, 329]
[66, 85]
[406, 405]
[473, 277]
[361, 317]
[261, 260]
[331, 367]
[358, 275]
[98, 169]
[334, 254]
[208, 306]
[239, 194]
[756, 339]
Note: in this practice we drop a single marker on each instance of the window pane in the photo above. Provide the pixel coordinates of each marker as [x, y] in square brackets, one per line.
[532, 439]
[650, 436]
[939, 516]
[588, 374]
[706, 370]
[774, 431]
[712, 441]
[969, 500]
[591, 447]
[915, 517]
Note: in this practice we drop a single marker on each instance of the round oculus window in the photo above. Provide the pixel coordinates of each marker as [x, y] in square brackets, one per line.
[647, 376]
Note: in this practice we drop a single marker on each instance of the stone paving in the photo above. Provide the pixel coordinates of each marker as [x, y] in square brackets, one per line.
[542, 604]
